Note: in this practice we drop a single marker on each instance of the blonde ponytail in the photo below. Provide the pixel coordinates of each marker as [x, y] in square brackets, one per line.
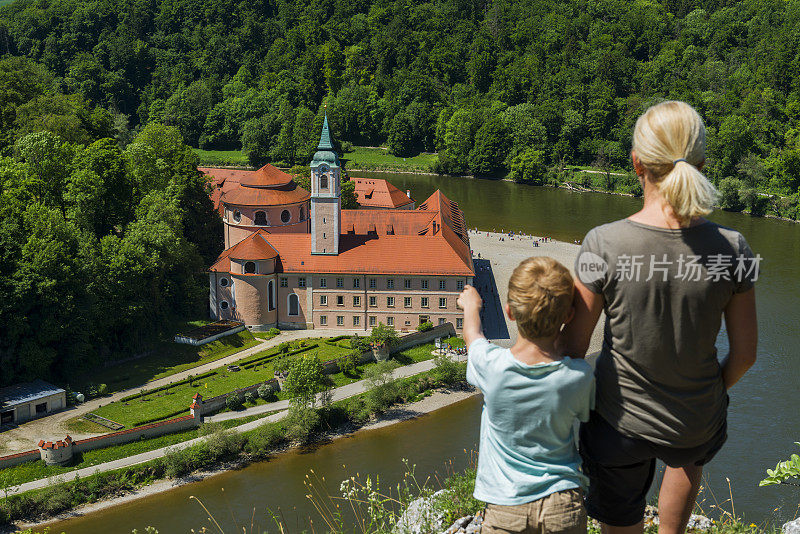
[670, 141]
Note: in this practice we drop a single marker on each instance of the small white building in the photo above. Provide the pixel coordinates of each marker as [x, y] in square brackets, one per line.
[29, 400]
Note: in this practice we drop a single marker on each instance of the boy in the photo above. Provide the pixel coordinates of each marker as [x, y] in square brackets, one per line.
[528, 465]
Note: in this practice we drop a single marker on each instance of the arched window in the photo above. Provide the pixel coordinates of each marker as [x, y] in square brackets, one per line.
[294, 304]
[237, 216]
[261, 218]
[223, 282]
[223, 305]
[250, 267]
[302, 213]
[323, 182]
[271, 295]
[285, 216]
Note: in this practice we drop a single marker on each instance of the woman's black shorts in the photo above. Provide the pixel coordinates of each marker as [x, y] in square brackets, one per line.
[621, 469]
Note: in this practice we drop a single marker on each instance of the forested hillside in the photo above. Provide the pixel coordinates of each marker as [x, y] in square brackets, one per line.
[102, 218]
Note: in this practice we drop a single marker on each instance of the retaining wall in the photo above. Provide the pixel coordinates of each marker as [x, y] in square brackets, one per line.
[217, 403]
[197, 342]
[419, 338]
[19, 458]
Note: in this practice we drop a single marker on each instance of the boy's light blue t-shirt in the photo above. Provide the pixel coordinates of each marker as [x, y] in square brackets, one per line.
[527, 448]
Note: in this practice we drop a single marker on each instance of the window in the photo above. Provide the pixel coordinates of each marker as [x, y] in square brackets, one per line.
[459, 285]
[373, 320]
[340, 320]
[284, 282]
[408, 323]
[356, 320]
[390, 302]
[407, 302]
[294, 304]
[407, 283]
[390, 321]
[323, 182]
[373, 301]
[373, 283]
[41, 407]
[250, 267]
[442, 302]
[323, 320]
[424, 284]
[340, 300]
[442, 285]
[237, 216]
[323, 282]
[285, 216]
[271, 295]
[424, 319]
[459, 323]
[302, 213]
[261, 218]
[424, 302]
[356, 283]
[323, 300]
[223, 305]
[356, 301]
[301, 282]
[390, 283]
[340, 282]
[441, 320]
[223, 282]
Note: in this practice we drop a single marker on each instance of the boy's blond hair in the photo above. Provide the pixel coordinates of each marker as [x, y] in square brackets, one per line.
[540, 296]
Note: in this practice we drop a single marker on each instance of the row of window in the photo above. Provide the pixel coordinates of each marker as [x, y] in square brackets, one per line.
[390, 301]
[373, 283]
[373, 321]
[260, 218]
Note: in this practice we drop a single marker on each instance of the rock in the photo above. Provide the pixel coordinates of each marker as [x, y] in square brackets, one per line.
[419, 517]
[697, 523]
[792, 527]
[466, 525]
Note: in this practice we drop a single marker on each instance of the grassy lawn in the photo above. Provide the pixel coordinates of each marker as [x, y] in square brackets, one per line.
[36, 470]
[166, 403]
[220, 157]
[169, 358]
[381, 159]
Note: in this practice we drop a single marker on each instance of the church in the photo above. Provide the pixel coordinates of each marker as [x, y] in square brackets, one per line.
[295, 259]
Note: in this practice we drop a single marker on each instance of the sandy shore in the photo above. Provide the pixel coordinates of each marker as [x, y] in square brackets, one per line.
[438, 399]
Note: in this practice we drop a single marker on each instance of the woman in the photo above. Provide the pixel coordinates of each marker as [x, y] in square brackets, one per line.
[665, 277]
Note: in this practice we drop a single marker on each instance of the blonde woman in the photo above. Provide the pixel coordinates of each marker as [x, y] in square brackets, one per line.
[665, 277]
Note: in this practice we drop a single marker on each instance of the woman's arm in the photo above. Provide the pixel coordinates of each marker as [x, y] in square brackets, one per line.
[742, 327]
[574, 339]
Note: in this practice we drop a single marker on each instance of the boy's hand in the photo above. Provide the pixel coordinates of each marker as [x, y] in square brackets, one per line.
[469, 298]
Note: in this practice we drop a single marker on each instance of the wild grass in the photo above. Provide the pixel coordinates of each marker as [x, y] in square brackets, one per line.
[370, 158]
[209, 158]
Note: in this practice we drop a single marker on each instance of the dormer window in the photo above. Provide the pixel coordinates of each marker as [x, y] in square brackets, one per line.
[261, 218]
[285, 216]
[250, 267]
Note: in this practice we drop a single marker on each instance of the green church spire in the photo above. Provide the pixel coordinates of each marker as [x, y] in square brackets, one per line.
[325, 139]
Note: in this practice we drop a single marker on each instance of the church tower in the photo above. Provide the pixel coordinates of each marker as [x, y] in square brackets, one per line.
[326, 204]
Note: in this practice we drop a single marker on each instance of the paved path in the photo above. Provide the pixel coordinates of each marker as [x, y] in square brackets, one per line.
[339, 393]
[53, 427]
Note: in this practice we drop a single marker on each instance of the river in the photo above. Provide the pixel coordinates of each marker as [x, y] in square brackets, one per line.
[763, 417]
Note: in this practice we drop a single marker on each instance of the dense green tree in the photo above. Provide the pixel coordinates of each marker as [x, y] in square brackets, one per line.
[401, 140]
[491, 146]
[528, 167]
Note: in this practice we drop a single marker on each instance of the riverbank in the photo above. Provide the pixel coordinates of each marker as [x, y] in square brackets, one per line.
[396, 414]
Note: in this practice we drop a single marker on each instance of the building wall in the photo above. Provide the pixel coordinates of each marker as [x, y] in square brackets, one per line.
[325, 225]
[251, 300]
[294, 287]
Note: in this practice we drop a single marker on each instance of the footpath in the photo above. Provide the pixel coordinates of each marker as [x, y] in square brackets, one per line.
[340, 393]
[53, 427]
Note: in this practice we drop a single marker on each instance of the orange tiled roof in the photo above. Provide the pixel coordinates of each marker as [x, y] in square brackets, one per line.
[266, 176]
[431, 240]
[253, 247]
[378, 193]
[258, 196]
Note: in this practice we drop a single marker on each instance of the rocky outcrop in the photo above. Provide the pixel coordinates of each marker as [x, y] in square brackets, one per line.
[469, 524]
[792, 527]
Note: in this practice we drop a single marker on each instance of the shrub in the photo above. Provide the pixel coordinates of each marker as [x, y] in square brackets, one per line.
[283, 348]
[264, 439]
[359, 343]
[266, 392]
[384, 335]
[424, 327]
[234, 401]
[301, 423]
[382, 388]
[273, 331]
[250, 397]
[223, 445]
[102, 389]
[349, 363]
[729, 194]
[448, 372]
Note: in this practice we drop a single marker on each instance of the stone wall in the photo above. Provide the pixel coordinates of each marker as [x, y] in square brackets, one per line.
[419, 338]
[19, 458]
[217, 403]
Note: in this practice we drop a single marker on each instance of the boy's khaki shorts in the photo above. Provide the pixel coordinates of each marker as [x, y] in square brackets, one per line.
[560, 512]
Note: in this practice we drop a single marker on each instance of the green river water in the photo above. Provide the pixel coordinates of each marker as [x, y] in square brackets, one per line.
[764, 420]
